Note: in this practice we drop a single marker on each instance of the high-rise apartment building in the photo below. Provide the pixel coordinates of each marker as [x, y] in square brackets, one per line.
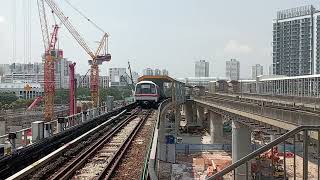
[257, 70]
[34, 73]
[270, 70]
[62, 72]
[202, 68]
[233, 69]
[296, 45]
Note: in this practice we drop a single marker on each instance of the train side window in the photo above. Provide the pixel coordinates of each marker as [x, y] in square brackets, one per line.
[153, 90]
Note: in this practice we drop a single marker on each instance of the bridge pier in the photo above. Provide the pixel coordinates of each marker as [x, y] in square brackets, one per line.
[200, 116]
[216, 128]
[188, 110]
[241, 146]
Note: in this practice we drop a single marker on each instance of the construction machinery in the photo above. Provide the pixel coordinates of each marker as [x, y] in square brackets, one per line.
[96, 57]
[35, 103]
[261, 166]
[50, 53]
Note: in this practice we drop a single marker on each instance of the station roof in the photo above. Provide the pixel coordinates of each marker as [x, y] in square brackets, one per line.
[291, 77]
[158, 78]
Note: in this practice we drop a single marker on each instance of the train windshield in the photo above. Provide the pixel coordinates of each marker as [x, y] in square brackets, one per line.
[146, 89]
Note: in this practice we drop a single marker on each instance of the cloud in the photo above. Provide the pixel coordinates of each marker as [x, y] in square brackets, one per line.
[234, 47]
[2, 19]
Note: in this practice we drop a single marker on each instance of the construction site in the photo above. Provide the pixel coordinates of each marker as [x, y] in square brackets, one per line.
[58, 124]
[52, 20]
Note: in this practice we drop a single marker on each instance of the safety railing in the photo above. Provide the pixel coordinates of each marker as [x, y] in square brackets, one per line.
[150, 166]
[24, 137]
[271, 163]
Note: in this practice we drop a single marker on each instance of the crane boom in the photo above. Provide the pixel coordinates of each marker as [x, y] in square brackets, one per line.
[101, 45]
[70, 27]
[96, 58]
[43, 23]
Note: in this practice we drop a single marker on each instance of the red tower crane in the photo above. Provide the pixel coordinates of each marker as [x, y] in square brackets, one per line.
[49, 55]
[97, 58]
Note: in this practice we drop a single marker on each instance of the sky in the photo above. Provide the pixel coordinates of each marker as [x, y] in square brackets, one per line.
[164, 34]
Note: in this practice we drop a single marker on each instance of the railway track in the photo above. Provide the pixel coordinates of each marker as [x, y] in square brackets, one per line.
[93, 157]
[100, 161]
[26, 159]
[264, 104]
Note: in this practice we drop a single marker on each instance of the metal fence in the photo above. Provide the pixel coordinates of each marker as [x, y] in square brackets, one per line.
[151, 171]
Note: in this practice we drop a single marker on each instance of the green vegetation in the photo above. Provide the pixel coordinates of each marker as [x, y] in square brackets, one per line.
[62, 95]
[11, 101]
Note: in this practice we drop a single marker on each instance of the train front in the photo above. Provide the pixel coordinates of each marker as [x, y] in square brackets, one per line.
[147, 93]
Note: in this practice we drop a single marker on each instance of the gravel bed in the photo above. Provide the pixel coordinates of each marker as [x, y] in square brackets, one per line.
[131, 164]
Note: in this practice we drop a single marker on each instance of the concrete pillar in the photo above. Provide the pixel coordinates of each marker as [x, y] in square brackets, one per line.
[216, 127]
[200, 116]
[189, 112]
[241, 146]
[37, 130]
[177, 119]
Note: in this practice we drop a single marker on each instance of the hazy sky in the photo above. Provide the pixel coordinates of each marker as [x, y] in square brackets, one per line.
[170, 34]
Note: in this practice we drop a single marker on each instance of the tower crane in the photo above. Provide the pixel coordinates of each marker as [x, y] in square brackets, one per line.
[96, 57]
[49, 46]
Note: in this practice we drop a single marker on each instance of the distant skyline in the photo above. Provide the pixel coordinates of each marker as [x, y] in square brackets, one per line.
[162, 34]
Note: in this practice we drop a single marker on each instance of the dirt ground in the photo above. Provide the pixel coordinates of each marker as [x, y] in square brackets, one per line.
[195, 166]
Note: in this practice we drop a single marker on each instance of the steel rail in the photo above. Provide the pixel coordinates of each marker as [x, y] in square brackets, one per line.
[48, 158]
[108, 171]
[68, 171]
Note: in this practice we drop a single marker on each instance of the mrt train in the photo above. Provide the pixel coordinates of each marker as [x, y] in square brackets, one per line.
[147, 93]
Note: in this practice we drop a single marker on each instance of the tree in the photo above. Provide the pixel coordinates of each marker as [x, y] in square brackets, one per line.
[62, 96]
[7, 98]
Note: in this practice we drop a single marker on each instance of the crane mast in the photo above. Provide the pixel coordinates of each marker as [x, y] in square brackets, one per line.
[49, 46]
[97, 59]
